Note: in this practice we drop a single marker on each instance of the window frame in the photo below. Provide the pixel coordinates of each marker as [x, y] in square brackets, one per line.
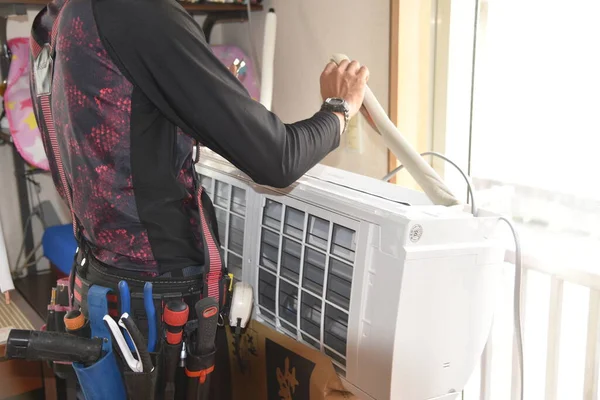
[412, 54]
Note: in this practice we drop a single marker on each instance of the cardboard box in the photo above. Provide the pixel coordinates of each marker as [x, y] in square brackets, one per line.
[273, 366]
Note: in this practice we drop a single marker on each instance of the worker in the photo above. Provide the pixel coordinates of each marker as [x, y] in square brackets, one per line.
[123, 90]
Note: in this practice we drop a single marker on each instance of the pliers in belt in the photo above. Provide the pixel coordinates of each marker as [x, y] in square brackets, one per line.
[148, 306]
[151, 315]
[125, 297]
[143, 363]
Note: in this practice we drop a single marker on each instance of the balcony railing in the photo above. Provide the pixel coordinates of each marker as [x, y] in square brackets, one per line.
[561, 326]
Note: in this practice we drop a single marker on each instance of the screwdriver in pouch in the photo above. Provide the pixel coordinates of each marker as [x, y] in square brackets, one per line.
[175, 316]
[50, 317]
[61, 307]
[200, 362]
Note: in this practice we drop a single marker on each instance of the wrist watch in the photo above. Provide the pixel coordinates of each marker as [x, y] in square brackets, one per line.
[336, 104]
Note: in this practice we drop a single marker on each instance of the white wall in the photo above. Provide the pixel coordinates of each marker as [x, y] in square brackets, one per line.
[308, 32]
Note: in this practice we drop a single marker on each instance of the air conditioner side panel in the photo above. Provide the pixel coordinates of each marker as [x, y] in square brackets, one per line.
[444, 318]
[378, 312]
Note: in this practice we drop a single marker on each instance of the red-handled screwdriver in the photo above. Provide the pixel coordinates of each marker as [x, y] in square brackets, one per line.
[175, 316]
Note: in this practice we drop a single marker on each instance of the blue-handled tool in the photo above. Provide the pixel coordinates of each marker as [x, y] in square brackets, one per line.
[151, 314]
[125, 297]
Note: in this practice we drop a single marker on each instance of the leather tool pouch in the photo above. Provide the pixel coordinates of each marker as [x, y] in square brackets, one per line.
[145, 385]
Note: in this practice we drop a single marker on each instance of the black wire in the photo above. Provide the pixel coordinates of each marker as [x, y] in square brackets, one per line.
[29, 196]
[236, 345]
[39, 206]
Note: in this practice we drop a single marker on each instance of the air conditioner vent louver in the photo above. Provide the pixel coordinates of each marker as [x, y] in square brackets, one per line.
[304, 256]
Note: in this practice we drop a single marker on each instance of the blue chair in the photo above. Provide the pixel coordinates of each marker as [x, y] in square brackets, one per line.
[59, 247]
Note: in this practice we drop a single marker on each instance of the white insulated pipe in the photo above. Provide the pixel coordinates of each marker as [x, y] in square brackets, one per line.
[6, 282]
[429, 180]
[268, 60]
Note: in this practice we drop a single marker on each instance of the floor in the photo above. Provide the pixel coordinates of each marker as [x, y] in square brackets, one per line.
[31, 314]
[11, 316]
[28, 376]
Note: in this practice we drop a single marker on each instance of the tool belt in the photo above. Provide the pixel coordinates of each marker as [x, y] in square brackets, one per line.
[93, 272]
[92, 282]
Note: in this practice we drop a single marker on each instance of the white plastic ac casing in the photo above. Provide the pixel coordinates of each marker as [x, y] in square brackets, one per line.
[422, 292]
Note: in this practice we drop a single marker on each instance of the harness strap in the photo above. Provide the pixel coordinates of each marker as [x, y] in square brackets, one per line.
[212, 277]
[49, 120]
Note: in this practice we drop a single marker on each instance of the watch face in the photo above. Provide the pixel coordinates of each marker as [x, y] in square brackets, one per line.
[336, 102]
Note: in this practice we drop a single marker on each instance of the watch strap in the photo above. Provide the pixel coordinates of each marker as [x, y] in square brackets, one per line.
[342, 108]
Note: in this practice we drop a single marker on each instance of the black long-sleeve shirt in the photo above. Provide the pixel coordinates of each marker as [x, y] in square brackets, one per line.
[135, 84]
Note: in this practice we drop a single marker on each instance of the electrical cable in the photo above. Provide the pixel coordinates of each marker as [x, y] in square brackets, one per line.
[252, 45]
[443, 157]
[517, 306]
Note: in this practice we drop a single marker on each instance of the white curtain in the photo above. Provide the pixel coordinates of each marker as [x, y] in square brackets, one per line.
[6, 282]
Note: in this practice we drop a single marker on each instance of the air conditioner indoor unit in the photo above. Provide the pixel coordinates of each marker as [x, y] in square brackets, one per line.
[396, 291]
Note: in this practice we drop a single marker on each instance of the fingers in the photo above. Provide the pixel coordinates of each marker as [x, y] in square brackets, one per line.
[343, 65]
[353, 67]
[363, 73]
[330, 67]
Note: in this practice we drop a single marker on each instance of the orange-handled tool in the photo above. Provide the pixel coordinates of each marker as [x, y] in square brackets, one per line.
[175, 316]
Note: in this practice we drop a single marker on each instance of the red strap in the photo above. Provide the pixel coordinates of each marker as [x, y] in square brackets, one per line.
[49, 121]
[35, 47]
[215, 265]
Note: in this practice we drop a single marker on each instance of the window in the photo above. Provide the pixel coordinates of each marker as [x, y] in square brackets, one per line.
[533, 120]
[230, 209]
[518, 109]
[305, 273]
[550, 92]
